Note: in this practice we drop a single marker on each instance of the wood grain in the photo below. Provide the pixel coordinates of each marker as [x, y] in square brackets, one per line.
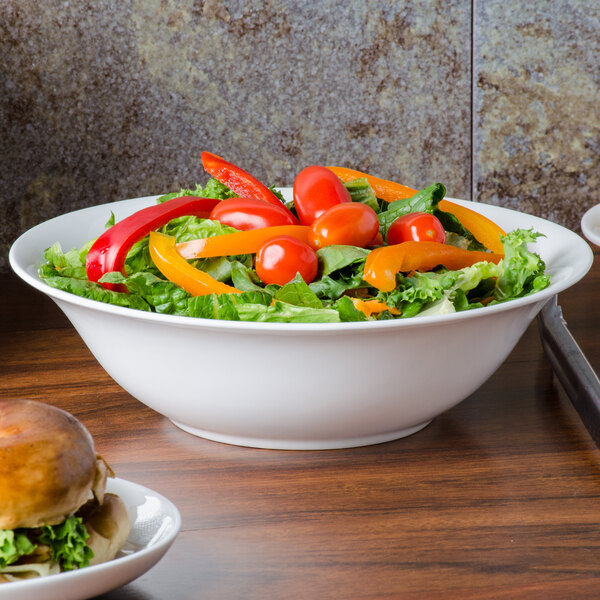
[499, 498]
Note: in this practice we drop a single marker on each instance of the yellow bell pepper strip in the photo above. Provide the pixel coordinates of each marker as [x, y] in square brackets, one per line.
[370, 307]
[176, 269]
[384, 263]
[384, 189]
[109, 251]
[240, 242]
[484, 230]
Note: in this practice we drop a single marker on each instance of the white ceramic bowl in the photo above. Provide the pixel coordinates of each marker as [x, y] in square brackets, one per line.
[590, 224]
[299, 386]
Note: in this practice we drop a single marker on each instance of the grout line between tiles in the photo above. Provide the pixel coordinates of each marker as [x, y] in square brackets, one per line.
[472, 102]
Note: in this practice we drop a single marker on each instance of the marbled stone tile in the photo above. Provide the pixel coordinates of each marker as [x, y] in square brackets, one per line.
[536, 106]
[107, 100]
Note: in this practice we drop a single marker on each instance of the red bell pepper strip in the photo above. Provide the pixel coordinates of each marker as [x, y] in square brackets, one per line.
[109, 251]
[240, 181]
[176, 269]
[240, 242]
[383, 263]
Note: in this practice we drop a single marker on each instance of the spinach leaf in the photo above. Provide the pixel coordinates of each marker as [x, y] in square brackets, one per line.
[341, 269]
[457, 232]
[348, 312]
[335, 258]
[425, 200]
[298, 293]
[244, 278]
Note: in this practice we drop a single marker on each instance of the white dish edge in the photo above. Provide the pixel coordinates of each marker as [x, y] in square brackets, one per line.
[130, 564]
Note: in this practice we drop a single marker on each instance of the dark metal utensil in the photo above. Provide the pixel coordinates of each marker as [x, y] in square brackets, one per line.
[572, 368]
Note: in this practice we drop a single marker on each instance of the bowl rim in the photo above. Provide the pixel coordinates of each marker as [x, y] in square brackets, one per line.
[24, 271]
[590, 224]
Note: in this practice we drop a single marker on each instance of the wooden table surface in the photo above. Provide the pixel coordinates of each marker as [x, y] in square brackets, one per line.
[499, 498]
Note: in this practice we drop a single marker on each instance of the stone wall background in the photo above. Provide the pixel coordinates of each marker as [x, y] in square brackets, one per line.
[104, 100]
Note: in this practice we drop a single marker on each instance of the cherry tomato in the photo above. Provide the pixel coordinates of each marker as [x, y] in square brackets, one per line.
[417, 227]
[315, 190]
[282, 257]
[352, 224]
[250, 213]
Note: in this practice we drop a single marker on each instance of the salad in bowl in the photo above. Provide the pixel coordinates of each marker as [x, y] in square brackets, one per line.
[340, 246]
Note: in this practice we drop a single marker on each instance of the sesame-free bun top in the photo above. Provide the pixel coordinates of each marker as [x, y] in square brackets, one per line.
[47, 464]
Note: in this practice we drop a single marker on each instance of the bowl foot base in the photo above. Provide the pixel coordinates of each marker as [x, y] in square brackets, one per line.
[295, 444]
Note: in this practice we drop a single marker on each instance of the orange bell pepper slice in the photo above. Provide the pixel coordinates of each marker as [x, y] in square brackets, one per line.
[176, 269]
[370, 307]
[240, 242]
[384, 189]
[384, 263]
[484, 230]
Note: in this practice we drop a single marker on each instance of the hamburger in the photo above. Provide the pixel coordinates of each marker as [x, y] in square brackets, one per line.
[54, 512]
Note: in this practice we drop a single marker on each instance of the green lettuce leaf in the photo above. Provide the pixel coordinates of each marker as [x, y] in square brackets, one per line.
[93, 291]
[184, 229]
[281, 312]
[523, 272]
[213, 189]
[226, 306]
[438, 292]
[412, 293]
[360, 190]
[64, 264]
[67, 542]
[13, 545]
[163, 296]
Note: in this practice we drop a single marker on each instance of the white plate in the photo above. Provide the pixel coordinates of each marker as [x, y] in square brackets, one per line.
[155, 524]
[590, 224]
